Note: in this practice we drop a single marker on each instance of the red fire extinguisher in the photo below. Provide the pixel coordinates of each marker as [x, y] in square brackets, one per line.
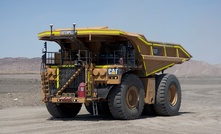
[81, 90]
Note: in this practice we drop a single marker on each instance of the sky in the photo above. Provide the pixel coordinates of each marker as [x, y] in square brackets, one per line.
[195, 24]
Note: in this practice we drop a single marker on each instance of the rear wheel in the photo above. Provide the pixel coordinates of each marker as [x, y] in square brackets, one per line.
[126, 100]
[168, 95]
[63, 110]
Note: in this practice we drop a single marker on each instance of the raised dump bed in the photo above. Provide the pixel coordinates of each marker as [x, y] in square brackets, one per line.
[110, 71]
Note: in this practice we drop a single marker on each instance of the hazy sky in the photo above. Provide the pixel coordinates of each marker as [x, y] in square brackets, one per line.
[195, 24]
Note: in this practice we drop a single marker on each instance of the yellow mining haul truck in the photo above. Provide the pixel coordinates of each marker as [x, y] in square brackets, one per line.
[109, 71]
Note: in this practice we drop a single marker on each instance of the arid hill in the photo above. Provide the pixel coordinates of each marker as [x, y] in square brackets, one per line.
[218, 65]
[190, 68]
[20, 65]
[195, 68]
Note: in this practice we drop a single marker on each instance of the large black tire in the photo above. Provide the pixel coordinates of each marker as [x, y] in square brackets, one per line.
[126, 100]
[63, 110]
[168, 95]
[103, 108]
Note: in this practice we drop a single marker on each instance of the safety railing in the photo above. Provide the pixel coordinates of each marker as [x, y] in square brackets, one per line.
[66, 57]
[117, 57]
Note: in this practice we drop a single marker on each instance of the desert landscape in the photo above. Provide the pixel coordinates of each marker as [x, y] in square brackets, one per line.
[21, 109]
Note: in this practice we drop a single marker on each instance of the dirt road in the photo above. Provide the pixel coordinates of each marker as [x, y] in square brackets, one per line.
[199, 113]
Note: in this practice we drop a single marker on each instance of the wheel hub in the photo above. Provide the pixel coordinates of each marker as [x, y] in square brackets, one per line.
[172, 95]
[132, 97]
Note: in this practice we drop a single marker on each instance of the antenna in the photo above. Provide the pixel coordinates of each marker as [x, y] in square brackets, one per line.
[74, 32]
[51, 26]
[74, 24]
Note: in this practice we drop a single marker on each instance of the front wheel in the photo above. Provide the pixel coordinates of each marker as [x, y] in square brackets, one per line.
[126, 100]
[168, 95]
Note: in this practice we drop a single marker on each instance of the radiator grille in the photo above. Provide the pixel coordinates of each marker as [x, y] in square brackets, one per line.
[65, 75]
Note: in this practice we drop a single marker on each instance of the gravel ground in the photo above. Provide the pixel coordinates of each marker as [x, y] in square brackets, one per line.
[21, 111]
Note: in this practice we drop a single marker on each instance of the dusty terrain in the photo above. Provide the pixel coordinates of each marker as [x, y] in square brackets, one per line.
[21, 111]
[18, 90]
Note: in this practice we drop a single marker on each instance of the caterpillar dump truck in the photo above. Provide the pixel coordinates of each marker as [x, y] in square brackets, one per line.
[109, 71]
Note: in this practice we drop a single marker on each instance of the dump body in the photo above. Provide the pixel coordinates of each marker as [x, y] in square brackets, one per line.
[95, 63]
[155, 56]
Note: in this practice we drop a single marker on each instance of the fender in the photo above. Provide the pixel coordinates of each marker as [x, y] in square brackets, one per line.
[102, 92]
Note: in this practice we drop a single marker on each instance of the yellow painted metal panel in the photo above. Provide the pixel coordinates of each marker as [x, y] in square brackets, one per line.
[85, 32]
[181, 48]
[177, 53]
[48, 33]
[88, 83]
[109, 66]
[144, 41]
[151, 50]
[165, 51]
[170, 65]
[58, 78]
[104, 66]
[62, 66]
[143, 46]
[138, 47]
[111, 32]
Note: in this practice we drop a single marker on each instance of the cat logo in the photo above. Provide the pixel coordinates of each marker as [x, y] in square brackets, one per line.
[112, 71]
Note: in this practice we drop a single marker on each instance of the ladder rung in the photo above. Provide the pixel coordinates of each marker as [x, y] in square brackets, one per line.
[94, 107]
